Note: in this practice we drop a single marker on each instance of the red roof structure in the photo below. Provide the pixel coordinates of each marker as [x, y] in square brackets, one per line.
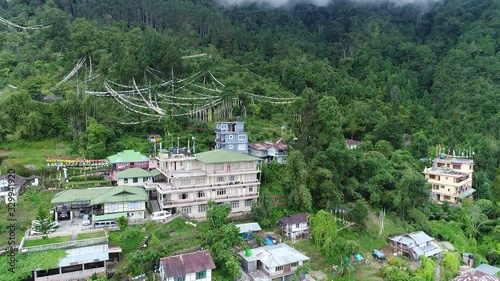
[180, 265]
[294, 219]
[352, 142]
[475, 275]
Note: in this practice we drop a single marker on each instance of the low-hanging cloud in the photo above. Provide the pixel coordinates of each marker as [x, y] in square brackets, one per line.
[282, 3]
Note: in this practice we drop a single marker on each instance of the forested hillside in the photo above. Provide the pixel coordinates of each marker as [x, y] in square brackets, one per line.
[401, 78]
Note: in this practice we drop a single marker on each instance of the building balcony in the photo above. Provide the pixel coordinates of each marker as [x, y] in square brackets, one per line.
[190, 201]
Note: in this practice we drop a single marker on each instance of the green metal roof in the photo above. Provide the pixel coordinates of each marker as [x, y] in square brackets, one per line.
[224, 156]
[127, 156]
[78, 195]
[467, 193]
[155, 173]
[109, 216]
[133, 173]
[101, 195]
[121, 194]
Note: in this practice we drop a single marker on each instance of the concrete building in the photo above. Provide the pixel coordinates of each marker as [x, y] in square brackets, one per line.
[231, 136]
[112, 202]
[128, 159]
[187, 267]
[450, 178]
[192, 180]
[269, 151]
[136, 176]
[276, 262]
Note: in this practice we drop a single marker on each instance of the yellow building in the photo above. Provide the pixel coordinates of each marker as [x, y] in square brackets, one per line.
[451, 179]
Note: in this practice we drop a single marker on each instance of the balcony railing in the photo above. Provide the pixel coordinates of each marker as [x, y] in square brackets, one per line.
[169, 202]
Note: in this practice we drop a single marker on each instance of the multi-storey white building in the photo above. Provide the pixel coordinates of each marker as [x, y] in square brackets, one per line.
[451, 179]
[192, 180]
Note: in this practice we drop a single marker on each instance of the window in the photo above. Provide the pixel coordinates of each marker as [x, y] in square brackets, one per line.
[125, 180]
[185, 181]
[201, 194]
[250, 189]
[456, 167]
[235, 165]
[112, 207]
[248, 202]
[446, 197]
[223, 126]
[242, 137]
[231, 178]
[221, 191]
[220, 179]
[183, 196]
[297, 225]
[279, 268]
[432, 176]
[235, 204]
[230, 137]
[242, 147]
[219, 167]
[145, 179]
[135, 205]
[135, 180]
[180, 278]
[186, 210]
[435, 186]
[201, 275]
[294, 264]
[250, 165]
[200, 181]
[230, 146]
[202, 208]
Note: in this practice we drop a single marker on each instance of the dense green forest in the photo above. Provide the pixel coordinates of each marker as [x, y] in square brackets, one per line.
[401, 78]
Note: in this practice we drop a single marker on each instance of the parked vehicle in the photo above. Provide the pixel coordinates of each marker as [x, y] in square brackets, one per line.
[63, 216]
[110, 223]
[86, 220]
[379, 255]
[160, 215]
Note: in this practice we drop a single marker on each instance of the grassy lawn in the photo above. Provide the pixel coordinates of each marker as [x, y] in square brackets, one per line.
[127, 239]
[82, 236]
[25, 211]
[45, 241]
[30, 152]
[318, 262]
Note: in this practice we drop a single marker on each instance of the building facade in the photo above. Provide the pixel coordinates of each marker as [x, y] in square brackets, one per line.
[231, 136]
[451, 179]
[269, 151]
[192, 180]
[130, 201]
[128, 159]
[195, 266]
[414, 245]
[295, 226]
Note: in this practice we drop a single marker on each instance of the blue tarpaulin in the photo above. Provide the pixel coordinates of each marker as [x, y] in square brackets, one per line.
[359, 257]
[269, 241]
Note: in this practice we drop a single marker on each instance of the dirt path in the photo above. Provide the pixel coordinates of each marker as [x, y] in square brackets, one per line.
[437, 269]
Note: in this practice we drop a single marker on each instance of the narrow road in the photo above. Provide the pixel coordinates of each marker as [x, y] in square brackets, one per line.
[437, 268]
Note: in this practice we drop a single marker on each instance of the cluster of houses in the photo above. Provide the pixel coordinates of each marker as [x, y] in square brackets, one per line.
[181, 182]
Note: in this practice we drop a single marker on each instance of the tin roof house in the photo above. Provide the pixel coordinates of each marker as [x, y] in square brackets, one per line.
[415, 245]
[275, 262]
[269, 151]
[187, 267]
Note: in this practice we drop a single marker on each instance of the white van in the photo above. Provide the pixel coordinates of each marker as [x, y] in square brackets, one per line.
[110, 223]
[160, 215]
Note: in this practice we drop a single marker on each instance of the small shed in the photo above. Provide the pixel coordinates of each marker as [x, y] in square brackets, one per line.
[246, 229]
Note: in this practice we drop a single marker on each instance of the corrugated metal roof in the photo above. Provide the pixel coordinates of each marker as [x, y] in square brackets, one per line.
[133, 173]
[85, 254]
[475, 275]
[127, 156]
[275, 255]
[488, 269]
[224, 156]
[412, 239]
[101, 195]
[248, 227]
[181, 265]
[294, 219]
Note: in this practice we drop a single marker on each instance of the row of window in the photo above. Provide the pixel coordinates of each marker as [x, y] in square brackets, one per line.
[199, 275]
[240, 137]
[220, 192]
[281, 267]
[134, 205]
[186, 210]
[136, 180]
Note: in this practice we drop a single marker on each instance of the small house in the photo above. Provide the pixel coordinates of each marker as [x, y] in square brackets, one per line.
[11, 186]
[294, 226]
[415, 245]
[187, 267]
[352, 144]
[275, 262]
